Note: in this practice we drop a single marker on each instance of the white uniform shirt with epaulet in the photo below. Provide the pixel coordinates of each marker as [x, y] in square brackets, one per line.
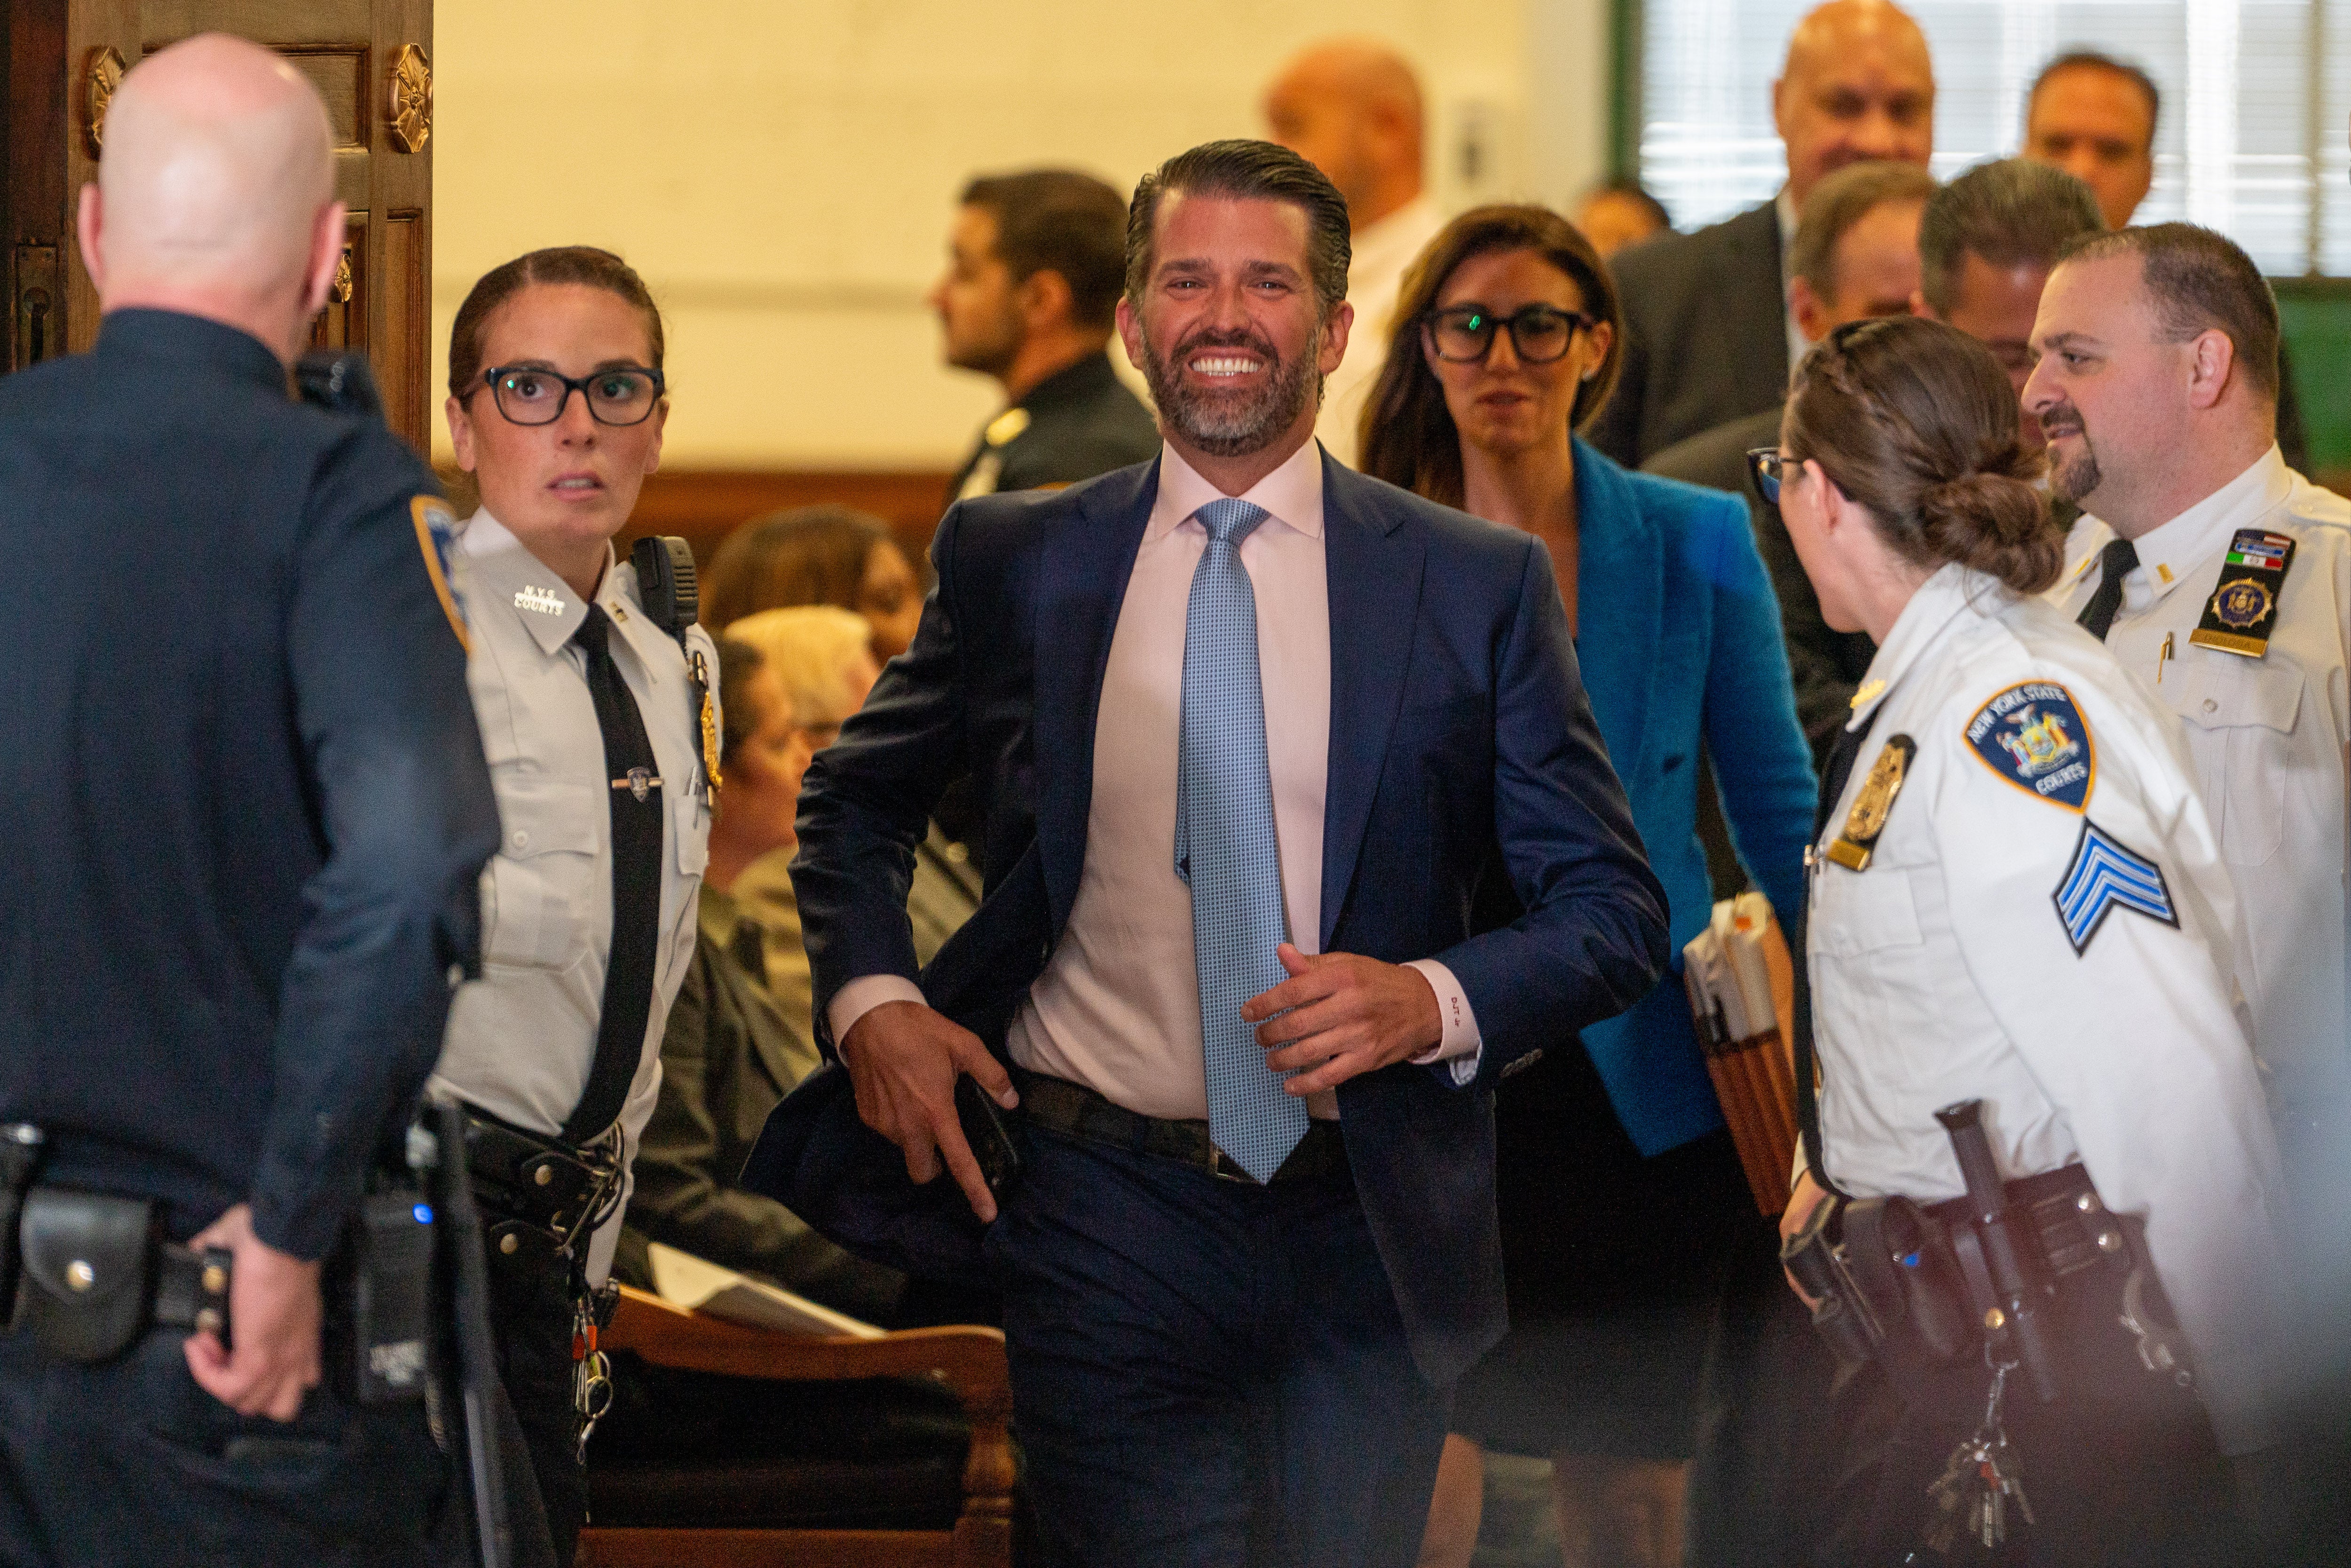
[2042, 923]
[2267, 735]
[522, 1039]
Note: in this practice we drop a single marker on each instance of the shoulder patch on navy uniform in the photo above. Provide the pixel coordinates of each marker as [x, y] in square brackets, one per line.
[2033, 736]
[2106, 874]
[436, 538]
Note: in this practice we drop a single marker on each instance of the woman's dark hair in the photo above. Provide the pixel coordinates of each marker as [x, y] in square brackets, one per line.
[1918, 422]
[738, 662]
[807, 555]
[581, 264]
[1407, 436]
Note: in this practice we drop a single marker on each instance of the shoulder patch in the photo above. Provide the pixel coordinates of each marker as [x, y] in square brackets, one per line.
[2033, 736]
[436, 538]
[2106, 874]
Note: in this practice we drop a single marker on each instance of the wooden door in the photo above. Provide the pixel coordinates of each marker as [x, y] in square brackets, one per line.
[371, 62]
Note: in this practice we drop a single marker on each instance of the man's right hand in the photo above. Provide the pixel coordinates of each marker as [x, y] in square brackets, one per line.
[903, 1060]
[1808, 1195]
[274, 1312]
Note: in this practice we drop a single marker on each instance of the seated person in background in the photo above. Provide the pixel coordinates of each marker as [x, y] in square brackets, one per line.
[1621, 212]
[818, 658]
[1855, 256]
[837, 555]
[818, 554]
[729, 1052]
[1034, 264]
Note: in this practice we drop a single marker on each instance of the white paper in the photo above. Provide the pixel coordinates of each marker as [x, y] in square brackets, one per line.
[682, 1279]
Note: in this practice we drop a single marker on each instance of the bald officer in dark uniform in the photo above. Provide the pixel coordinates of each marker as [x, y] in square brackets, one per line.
[243, 806]
[1036, 261]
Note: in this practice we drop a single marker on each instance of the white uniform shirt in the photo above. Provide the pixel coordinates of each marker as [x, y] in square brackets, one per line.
[522, 1039]
[1946, 970]
[1382, 253]
[2267, 736]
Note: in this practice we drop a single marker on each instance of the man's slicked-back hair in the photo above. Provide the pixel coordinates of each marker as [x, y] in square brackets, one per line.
[1248, 171]
[2199, 281]
[1841, 201]
[1060, 221]
[2011, 211]
[2099, 60]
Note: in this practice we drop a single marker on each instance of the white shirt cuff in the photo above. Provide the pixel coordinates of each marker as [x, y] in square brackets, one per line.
[1461, 1047]
[862, 996]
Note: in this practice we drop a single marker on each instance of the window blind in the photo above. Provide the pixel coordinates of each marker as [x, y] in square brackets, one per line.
[2250, 140]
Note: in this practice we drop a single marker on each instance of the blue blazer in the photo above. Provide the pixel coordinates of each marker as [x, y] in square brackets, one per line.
[1679, 635]
[1458, 722]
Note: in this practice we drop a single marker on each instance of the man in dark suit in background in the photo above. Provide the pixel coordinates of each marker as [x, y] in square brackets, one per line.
[1709, 335]
[1855, 256]
[1246, 726]
[1034, 264]
[2093, 116]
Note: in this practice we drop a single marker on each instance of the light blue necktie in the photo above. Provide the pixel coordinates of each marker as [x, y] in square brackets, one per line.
[1224, 847]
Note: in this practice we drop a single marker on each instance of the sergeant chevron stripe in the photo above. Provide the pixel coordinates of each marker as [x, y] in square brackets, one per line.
[2106, 872]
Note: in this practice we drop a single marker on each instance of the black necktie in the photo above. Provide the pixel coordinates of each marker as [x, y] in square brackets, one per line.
[1833, 777]
[2117, 562]
[636, 794]
[750, 949]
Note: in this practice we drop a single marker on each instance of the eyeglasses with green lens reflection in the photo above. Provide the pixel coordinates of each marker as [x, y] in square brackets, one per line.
[1540, 334]
[533, 394]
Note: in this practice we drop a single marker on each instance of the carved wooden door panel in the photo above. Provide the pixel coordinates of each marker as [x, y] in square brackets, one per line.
[371, 62]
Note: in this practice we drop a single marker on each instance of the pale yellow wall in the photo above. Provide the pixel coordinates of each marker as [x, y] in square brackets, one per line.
[783, 172]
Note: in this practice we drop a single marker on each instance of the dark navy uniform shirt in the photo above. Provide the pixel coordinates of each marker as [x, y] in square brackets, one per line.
[242, 800]
[1079, 421]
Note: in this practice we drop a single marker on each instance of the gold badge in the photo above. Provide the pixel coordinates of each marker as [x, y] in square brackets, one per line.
[1006, 427]
[709, 721]
[1866, 821]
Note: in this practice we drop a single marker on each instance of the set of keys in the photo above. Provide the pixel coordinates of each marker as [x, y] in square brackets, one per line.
[1983, 1478]
[591, 1370]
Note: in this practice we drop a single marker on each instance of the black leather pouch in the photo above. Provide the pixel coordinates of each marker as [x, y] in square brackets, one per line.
[88, 1271]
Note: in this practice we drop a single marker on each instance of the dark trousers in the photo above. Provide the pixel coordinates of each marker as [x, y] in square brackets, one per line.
[2121, 1470]
[537, 1424]
[1206, 1371]
[128, 1462]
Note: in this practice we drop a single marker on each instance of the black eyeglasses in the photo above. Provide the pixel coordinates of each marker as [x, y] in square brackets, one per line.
[531, 395]
[1538, 333]
[1768, 468]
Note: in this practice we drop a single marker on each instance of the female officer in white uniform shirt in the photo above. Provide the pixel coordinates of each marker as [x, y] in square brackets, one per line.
[592, 716]
[2018, 899]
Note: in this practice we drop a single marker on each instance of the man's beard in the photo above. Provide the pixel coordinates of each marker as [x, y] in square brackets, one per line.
[1221, 423]
[2076, 477]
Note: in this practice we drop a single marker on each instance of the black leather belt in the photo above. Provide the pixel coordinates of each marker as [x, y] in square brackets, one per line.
[2063, 1208]
[540, 1194]
[1058, 1105]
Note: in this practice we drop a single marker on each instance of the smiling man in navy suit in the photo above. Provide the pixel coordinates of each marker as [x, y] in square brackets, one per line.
[1246, 727]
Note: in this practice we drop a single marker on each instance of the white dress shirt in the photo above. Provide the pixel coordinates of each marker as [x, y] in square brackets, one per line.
[1382, 252]
[1118, 1005]
[522, 1039]
[2267, 736]
[1944, 970]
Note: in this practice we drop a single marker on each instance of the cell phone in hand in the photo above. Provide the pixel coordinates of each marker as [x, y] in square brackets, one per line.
[984, 1130]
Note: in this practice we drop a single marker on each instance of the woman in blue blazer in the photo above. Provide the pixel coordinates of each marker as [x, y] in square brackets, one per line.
[1622, 1198]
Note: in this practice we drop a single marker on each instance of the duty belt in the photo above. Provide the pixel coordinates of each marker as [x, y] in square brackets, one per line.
[1058, 1105]
[2063, 1210]
[540, 1194]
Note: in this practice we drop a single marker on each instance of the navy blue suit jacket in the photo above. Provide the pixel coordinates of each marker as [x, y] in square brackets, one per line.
[1457, 721]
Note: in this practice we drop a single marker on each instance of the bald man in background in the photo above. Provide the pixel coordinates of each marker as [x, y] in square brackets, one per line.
[1352, 108]
[1709, 335]
[246, 808]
